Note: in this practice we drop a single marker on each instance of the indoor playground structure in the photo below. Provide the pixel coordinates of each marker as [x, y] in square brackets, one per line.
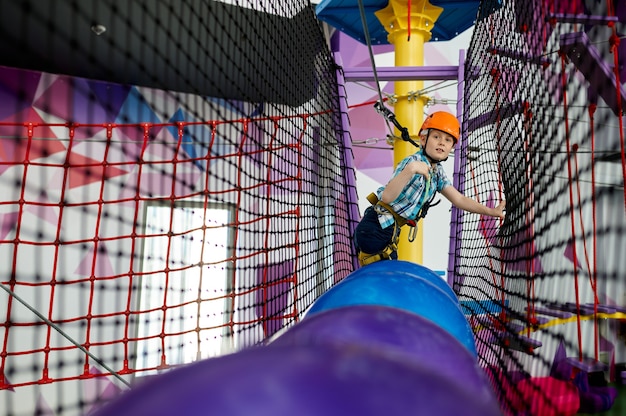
[179, 182]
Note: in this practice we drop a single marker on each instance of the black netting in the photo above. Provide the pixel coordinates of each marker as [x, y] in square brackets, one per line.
[543, 128]
[177, 185]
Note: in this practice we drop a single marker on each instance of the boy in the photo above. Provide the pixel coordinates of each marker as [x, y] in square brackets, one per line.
[405, 199]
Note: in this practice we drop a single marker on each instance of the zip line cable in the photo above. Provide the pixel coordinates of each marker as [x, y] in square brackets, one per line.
[380, 106]
[369, 48]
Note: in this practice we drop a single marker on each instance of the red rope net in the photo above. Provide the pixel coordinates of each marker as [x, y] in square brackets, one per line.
[190, 200]
[91, 257]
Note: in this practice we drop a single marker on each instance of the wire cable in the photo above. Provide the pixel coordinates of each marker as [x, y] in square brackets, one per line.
[380, 106]
[63, 333]
[369, 48]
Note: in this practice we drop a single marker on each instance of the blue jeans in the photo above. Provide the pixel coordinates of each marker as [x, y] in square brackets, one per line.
[370, 238]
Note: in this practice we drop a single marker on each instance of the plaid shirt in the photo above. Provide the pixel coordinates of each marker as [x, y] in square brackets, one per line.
[414, 193]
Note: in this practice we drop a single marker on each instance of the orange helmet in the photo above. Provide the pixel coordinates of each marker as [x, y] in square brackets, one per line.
[443, 121]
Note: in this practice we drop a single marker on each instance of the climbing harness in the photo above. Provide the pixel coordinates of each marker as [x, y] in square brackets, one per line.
[399, 222]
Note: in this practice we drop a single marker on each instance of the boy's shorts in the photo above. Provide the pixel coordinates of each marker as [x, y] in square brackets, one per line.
[370, 238]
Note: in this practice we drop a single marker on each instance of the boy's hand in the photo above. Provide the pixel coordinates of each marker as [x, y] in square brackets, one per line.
[499, 210]
[419, 168]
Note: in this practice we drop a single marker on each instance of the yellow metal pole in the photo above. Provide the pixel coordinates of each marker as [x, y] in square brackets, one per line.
[408, 36]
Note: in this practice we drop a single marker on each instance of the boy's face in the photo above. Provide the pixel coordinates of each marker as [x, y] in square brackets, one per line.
[439, 144]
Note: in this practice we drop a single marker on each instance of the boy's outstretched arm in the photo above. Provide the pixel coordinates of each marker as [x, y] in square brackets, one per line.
[468, 204]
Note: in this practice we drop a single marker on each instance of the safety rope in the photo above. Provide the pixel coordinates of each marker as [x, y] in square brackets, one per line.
[380, 106]
[369, 48]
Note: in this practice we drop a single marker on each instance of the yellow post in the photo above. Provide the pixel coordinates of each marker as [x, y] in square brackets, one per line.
[409, 108]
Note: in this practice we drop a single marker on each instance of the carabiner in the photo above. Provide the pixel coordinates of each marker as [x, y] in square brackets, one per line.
[412, 232]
